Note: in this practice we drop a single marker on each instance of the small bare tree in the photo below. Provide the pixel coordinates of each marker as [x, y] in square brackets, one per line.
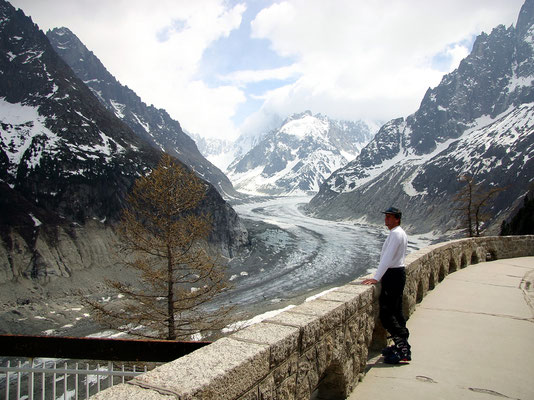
[163, 239]
[472, 200]
[464, 199]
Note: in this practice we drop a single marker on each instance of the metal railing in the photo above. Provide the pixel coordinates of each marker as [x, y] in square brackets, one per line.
[61, 380]
[75, 369]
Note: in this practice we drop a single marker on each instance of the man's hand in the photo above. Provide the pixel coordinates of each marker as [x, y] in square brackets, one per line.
[369, 282]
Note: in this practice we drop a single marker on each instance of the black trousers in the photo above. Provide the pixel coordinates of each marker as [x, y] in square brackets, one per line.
[390, 302]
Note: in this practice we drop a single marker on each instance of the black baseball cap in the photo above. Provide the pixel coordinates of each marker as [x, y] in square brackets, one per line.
[392, 210]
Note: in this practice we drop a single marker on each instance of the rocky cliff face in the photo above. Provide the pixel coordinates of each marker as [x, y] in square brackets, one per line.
[298, 156]
[478, 121]
[153, 125]
[66, 163]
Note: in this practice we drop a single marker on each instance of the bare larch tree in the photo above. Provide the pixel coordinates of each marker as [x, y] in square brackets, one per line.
[163, 238]
[472, 201]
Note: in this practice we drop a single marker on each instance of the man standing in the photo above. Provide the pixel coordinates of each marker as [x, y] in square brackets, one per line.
[391, 273]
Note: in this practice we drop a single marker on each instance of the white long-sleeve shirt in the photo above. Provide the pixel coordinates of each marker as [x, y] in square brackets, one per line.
[393, 252]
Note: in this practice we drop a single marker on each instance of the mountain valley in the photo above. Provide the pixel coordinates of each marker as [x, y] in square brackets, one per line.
[297, 211]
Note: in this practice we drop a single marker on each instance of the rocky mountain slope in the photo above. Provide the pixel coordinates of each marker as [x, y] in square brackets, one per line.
[298, 156]
[153, 125]
[66, 164]
[478, 121]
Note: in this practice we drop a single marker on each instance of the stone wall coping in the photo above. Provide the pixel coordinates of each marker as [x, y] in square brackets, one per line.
[282, 340]
[219, 371]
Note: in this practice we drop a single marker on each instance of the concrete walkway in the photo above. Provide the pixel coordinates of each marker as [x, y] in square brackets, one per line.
[472, 337]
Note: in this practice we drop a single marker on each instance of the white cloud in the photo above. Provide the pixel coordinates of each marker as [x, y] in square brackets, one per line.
[207, 109]
[349, 58]
[241, 78]
[361, 59]
[155, 49]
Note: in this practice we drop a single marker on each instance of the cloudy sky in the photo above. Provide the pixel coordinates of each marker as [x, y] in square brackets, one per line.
[222, 68]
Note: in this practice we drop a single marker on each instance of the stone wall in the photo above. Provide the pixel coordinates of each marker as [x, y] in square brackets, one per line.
[320, 345]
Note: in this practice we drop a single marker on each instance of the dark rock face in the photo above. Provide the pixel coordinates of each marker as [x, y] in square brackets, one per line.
[60, 148]
[153, 125]
[477, 121]
[65, 161]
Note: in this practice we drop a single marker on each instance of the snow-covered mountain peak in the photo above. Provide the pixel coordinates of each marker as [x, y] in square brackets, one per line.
[296, 158]
[308, 125]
